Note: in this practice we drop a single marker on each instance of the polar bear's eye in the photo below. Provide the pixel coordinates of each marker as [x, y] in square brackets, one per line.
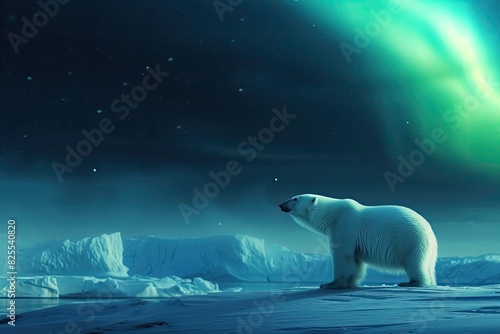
[295, 199]
[314, 199]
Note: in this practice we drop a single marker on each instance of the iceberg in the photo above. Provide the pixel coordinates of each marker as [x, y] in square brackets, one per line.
[477, 270]
[222, 258]
[100, 256]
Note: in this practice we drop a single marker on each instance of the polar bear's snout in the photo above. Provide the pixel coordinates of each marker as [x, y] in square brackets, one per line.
[285, 206]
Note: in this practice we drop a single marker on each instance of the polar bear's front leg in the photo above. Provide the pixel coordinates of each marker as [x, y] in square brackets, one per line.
[347, 271]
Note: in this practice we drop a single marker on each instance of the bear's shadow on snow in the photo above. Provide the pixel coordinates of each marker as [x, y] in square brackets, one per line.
[363, 292]
[287, 296]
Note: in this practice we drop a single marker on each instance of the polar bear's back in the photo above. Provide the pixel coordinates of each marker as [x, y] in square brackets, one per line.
[388, 235]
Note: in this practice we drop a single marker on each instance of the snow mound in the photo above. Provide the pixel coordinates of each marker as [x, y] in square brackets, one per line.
[100, 256]
[108, 288]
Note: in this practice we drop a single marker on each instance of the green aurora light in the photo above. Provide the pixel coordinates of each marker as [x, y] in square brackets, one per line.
[438, 47]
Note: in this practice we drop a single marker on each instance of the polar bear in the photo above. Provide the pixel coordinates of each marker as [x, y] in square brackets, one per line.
[388, 238]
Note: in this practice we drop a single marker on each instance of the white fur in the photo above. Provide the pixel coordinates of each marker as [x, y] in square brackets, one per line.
[387, 237]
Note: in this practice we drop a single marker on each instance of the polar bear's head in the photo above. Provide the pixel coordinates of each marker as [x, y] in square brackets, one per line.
[302, 208]
[299, 205]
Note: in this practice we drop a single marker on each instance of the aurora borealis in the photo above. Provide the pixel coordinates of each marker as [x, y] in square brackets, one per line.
[452, 66]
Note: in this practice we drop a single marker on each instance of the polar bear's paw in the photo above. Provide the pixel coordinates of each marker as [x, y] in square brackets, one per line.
[413, 284]
[335, 285]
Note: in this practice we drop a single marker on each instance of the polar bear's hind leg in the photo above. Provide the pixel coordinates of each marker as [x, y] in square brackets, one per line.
[418, 269]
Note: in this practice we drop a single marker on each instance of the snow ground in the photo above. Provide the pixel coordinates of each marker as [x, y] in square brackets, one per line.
[376, 309]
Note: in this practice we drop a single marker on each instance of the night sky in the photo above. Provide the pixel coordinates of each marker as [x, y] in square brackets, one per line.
[151, 99]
